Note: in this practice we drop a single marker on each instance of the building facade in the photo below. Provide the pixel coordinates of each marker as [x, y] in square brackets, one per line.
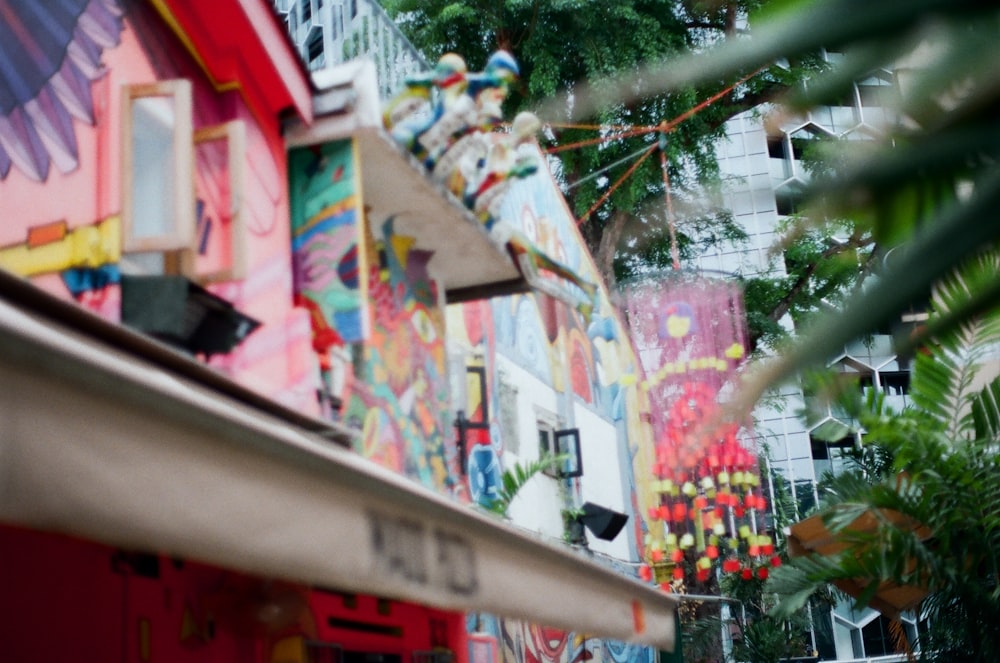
[330, 32]
[762, 164]
[226, 400]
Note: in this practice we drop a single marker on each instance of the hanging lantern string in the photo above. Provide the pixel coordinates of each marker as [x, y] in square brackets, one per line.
[670, 124]
[618, 183]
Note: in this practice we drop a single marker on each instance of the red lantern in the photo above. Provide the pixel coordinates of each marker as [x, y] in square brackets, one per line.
[702, 575]
[731, 565]
[712, 552]
[645, 573]
[678, 573]
[676, 555]
[775, 561]
[656, 555]
[747, 574]
[762, 573]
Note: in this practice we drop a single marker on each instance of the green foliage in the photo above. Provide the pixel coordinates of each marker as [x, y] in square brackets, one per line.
[563, 44]
[927, 189]
[514, 479]
[930, 477]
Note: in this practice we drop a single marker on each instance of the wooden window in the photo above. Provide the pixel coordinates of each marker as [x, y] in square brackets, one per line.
[157, 154]
[219, 153]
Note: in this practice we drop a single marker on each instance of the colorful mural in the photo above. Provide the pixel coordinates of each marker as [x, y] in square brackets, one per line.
[528, 643]
[330, 275]
[51, 52]
[65, 68]
[399, 399]
[584, 353]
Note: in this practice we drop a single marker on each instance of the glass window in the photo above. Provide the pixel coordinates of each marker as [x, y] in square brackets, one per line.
[157, 153]
[561, 443]
[221, 234]
[315, 49]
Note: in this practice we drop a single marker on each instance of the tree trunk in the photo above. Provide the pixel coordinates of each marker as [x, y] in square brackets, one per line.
[607, 246]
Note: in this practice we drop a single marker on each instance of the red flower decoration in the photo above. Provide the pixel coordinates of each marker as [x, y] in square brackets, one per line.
[762, 573]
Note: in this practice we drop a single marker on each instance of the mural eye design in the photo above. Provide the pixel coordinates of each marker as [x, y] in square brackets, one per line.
[424, 327]
[530, 341]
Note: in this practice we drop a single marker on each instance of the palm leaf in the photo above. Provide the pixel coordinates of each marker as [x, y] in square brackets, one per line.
[515, 478]
[942, 383]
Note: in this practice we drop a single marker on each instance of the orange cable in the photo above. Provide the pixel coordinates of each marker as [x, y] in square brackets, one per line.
[600, 139]
[618, 183]
[637, 131]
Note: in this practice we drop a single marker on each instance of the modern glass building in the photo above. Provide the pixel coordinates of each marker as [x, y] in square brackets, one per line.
[765, 174]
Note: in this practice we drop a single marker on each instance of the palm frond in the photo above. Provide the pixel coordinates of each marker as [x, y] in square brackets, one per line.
[943, 381]
[516, 477]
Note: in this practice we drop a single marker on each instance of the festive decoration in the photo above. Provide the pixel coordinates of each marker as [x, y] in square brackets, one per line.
[445, 119]
[689, 332]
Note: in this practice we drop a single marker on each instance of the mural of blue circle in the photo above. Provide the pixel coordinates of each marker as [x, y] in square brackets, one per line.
[484, 474]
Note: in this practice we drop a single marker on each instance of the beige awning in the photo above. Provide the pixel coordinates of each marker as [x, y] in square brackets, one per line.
[131, 448]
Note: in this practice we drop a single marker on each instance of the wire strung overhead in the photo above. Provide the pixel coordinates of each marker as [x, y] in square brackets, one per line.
[620, 131]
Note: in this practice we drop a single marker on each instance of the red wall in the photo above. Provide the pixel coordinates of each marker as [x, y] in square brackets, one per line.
[67, 597]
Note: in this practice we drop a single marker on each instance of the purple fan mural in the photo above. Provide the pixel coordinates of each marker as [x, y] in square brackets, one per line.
[50, 52]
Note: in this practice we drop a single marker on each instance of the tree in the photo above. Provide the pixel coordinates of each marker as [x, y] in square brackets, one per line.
[929, 478]
[927, 190]
[562, 43]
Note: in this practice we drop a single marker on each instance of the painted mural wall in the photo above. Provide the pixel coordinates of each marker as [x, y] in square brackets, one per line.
[370, 295]
[590, 373]
[399, 397]
[63, 131]
[360, 285]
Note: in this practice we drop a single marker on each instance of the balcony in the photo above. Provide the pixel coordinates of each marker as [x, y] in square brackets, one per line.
[466, 260]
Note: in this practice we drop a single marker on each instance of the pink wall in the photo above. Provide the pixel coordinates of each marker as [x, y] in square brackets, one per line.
[275, 359]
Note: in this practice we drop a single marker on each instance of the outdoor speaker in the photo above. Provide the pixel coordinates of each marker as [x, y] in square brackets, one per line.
[183, 314]
[603, 522]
